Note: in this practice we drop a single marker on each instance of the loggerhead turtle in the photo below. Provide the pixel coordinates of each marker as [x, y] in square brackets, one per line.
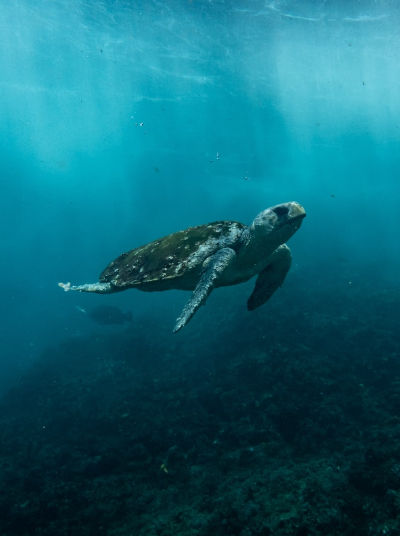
[208, 256]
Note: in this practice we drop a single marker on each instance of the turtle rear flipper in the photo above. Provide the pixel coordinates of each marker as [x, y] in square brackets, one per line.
[271, 278]
[215, 267]
[98, 288]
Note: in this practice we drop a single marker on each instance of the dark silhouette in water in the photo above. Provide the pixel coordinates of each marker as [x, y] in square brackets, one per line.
[109, 315]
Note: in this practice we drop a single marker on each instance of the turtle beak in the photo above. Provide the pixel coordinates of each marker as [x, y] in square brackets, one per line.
[289, 212]
[296, 211]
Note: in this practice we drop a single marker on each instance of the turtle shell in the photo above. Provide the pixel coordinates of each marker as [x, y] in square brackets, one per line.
[171, 257]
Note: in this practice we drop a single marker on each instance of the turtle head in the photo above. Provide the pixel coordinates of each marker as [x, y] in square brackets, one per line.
[278, 223]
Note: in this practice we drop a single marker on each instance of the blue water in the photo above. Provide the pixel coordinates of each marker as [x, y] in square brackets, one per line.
[299, 99]
[112, 114]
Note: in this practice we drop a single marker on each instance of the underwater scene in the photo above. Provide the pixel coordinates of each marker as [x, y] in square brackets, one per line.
[200, 267]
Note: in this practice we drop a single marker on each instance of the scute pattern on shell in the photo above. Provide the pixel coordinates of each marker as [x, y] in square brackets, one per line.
[172, 256]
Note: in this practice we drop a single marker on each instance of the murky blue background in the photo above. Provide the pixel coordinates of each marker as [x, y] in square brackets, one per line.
[111, 117]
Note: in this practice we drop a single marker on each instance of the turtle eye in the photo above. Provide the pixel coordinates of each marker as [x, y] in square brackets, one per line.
[280, 210]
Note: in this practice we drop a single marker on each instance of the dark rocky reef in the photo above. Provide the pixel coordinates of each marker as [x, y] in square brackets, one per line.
[283, 422]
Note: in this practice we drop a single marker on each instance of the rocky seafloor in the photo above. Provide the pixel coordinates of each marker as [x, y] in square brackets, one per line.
[281, 422]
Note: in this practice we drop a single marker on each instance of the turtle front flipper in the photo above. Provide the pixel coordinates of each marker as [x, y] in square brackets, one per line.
[271, 278]
[215, 267]
[99, 288]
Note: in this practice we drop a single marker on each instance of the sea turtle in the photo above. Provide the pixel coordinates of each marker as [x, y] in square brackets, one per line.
[208, 256]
